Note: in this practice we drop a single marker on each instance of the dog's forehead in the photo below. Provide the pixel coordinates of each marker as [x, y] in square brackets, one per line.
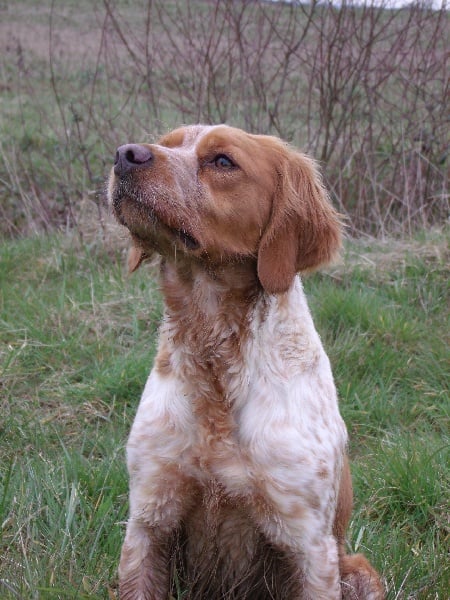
[185, 137]
[196, 134]
[194, 138]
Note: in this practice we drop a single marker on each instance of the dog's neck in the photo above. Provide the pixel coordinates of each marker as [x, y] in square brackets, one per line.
[205, 304]
[194, 285]
[211, 322]
[208, 315]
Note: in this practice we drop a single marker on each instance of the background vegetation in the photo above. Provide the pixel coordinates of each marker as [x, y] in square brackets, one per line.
[365, 90]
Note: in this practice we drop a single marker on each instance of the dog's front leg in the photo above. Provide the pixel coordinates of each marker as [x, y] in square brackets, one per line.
[144, 568]
[295, 510]
[161, 491]
[313, 551]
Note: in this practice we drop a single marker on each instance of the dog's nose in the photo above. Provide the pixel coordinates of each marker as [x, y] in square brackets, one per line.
[130, 157]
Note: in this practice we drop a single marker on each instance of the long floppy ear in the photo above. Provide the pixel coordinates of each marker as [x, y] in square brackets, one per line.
[304, 230]
[136, 257]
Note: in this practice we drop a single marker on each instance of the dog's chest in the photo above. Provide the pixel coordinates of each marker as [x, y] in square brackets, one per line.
[215, 380]
[239, 388]
[233, 403]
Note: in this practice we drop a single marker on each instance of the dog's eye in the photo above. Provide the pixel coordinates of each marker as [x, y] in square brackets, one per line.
[222, 161]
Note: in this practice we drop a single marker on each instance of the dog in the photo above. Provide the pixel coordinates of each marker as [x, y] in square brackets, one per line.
[239, 480]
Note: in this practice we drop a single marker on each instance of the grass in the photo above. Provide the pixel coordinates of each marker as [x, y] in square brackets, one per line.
[77, 339]
[68, 397]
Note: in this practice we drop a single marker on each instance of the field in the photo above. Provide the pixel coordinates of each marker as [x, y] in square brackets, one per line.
[77, 340]
[77, 334]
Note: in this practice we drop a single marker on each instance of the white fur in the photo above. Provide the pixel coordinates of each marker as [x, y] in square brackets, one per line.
[288, 427]
[238, 448]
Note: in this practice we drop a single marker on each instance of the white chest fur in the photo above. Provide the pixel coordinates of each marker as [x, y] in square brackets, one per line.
[269, 418]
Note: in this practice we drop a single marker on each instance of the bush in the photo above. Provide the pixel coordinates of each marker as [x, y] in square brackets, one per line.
[363, 88]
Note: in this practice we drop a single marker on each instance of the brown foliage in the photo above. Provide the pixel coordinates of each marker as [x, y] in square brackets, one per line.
[364, 89]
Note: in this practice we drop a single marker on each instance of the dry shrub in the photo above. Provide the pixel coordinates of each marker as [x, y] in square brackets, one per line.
[362, 88]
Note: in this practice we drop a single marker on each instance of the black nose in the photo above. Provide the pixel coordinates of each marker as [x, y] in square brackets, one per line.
[130, 157]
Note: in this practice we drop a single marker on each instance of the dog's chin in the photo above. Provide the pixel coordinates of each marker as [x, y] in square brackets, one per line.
[146, 225]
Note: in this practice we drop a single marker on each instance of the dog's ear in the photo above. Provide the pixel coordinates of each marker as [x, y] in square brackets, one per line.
[304, 230]
[136, 257]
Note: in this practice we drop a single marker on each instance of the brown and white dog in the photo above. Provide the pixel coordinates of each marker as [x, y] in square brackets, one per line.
[239, 481]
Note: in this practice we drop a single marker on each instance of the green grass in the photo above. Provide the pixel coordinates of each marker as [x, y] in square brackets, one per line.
[75, 350]
[77, 339]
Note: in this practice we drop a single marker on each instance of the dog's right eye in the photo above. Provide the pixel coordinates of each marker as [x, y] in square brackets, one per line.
[222, 161]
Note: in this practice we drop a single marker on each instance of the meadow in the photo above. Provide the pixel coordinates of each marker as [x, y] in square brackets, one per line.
[77, 334]
[78, 338]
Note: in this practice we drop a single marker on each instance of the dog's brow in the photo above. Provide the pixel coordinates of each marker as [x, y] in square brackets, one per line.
[172, 140]
[210, 141]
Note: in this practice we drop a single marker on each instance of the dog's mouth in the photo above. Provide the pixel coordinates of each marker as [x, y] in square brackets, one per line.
[188, 240]
[144, 221]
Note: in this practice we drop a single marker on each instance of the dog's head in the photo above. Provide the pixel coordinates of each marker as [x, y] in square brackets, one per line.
[220, 195]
